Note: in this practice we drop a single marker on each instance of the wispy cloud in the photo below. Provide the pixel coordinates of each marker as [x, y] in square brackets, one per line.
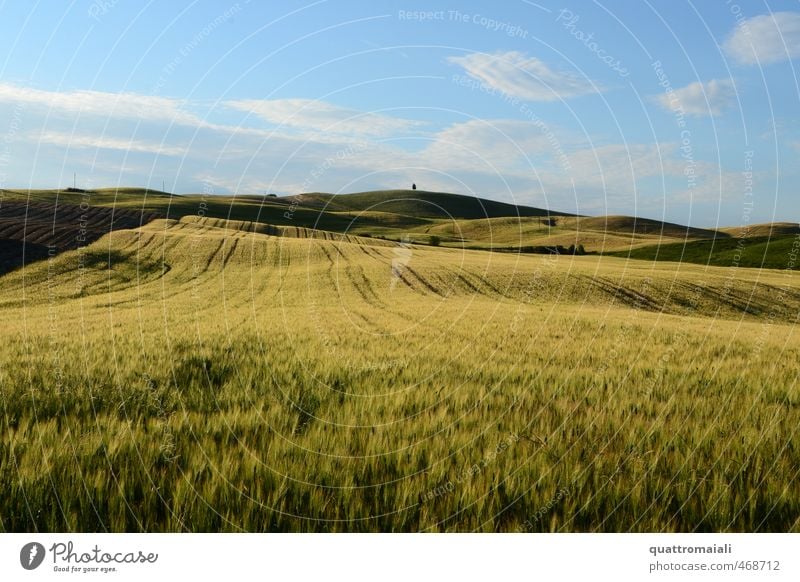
[102, 104]
[522, 76]
[315, 118]
[315, 115]
[496, 143]
[698, 98]
[313, 145]
[71, 140]
[769, 38]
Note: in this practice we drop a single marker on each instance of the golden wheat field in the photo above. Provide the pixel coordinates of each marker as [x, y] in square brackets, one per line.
[200, 375]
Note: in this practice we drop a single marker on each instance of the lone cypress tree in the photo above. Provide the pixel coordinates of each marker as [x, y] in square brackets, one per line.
[413, 186]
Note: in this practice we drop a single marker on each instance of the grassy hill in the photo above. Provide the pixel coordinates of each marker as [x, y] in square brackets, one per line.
[206, 375]
[778, 252]
[32, 229]
[418, 216]
[643, 227]
[95, 197]
[394, 214]
[770, 229]
[419, 203]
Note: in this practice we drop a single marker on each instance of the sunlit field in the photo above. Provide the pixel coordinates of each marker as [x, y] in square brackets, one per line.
[198, 375]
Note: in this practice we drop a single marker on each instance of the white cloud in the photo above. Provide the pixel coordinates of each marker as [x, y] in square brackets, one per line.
[98, 103]
[516, 74]
[108, 143]
[769, 38]
[84, 107]
[505, 144]
[711, 98]
[311, 114]
[624, 176]
[497, 149]
[324, 147]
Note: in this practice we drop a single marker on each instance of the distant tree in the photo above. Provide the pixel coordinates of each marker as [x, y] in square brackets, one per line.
[580, 250]
[272, 195]
[413, 186]
[435, 241]
[571, 249]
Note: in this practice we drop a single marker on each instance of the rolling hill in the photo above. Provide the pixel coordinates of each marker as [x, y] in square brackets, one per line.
[419, 203]
[418, 216]
[198, 374]
[642, 226]
[760, 252]
[769, 229]
[30, 230]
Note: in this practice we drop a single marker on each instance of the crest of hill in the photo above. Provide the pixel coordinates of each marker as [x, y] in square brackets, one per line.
[93, 197]
[420, 203]
[644, 226]
[64, 226]
[770, 229]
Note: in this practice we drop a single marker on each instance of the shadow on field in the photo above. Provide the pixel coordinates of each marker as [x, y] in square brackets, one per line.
[16, 253]
[28, 230]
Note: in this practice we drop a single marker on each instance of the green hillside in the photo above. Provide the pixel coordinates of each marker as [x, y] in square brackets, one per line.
[756, 252]
[201, 375]
[423, 217]
[644, 226]
[420, 203]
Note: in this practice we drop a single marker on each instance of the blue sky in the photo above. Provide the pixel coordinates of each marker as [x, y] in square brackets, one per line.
[683, 111]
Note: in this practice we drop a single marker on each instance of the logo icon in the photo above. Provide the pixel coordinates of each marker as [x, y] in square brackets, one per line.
[31, 555]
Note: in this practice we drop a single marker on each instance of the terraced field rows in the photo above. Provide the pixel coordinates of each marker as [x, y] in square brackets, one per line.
[65, 226]
[200, 375]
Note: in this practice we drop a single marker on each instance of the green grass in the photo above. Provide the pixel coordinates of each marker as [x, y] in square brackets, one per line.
[195, 375]
[421, 203]
[416, 215]
[754, 252]
[98, 197]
